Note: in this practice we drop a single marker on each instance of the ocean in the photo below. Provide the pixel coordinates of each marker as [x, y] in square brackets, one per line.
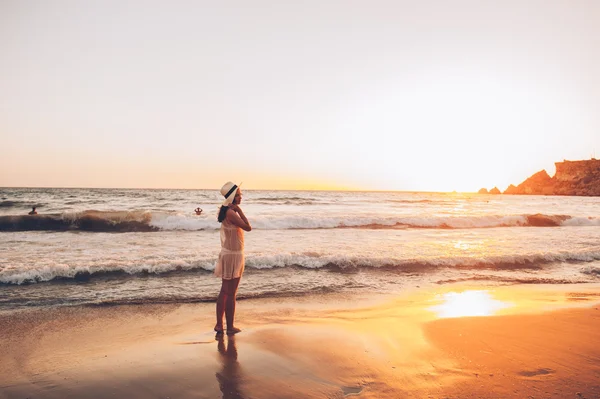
[102, 247]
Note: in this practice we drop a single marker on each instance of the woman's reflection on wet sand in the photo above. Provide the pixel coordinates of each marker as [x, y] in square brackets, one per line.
[230, 375]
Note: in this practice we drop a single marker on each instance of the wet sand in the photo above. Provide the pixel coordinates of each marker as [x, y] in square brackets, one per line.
[532, 341]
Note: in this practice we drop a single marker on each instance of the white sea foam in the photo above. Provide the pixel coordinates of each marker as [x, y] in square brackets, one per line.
[308, 260]
[51, 272]
[165, 221]
[582, 221]
[141, 220]
[179, 221]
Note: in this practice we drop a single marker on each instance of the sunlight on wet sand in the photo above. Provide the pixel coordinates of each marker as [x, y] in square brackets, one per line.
[422, 344]
[467, 303]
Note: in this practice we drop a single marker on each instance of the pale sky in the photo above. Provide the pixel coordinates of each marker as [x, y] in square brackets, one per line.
[372, 95]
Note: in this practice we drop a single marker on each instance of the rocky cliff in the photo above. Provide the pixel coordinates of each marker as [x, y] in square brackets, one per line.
[571, 178]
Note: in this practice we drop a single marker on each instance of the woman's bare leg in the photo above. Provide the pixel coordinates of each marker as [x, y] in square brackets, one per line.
[232, 286]
[221, 305]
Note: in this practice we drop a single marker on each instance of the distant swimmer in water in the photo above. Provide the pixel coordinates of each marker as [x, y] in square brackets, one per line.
[33, 211]
[198, 211]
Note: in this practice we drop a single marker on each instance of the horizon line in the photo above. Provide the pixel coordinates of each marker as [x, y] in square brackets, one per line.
[248, 189]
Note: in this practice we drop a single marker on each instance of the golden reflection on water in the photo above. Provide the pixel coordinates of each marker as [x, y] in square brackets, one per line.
[467, 303]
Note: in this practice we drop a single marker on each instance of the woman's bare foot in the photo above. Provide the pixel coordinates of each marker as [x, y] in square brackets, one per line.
[218, 329]
[233, 330]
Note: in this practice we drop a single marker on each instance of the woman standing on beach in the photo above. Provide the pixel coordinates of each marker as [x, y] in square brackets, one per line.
[230, 264]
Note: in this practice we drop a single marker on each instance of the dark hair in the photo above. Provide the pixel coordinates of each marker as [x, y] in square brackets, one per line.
[222, 213]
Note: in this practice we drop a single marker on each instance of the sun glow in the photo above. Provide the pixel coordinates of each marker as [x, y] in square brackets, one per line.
[467, 303]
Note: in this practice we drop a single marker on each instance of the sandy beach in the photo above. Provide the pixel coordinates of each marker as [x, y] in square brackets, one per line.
[533, 341]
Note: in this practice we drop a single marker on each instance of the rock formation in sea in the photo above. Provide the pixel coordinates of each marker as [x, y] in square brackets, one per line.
[571, 178]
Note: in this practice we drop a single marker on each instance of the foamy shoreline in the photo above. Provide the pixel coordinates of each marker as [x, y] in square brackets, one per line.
[543, 343]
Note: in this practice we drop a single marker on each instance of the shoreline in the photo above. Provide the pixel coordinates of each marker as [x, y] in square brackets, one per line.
[540, 342]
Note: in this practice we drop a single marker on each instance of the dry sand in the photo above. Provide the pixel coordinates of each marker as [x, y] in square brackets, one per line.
[540, 342]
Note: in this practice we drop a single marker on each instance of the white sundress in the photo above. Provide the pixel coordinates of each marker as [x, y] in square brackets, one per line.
[230, 264]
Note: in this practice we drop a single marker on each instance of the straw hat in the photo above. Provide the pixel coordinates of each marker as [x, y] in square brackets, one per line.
[228, 191]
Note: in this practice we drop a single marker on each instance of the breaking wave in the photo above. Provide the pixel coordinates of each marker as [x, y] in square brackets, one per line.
[308, 260]
[98, 221]
[148, 221]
